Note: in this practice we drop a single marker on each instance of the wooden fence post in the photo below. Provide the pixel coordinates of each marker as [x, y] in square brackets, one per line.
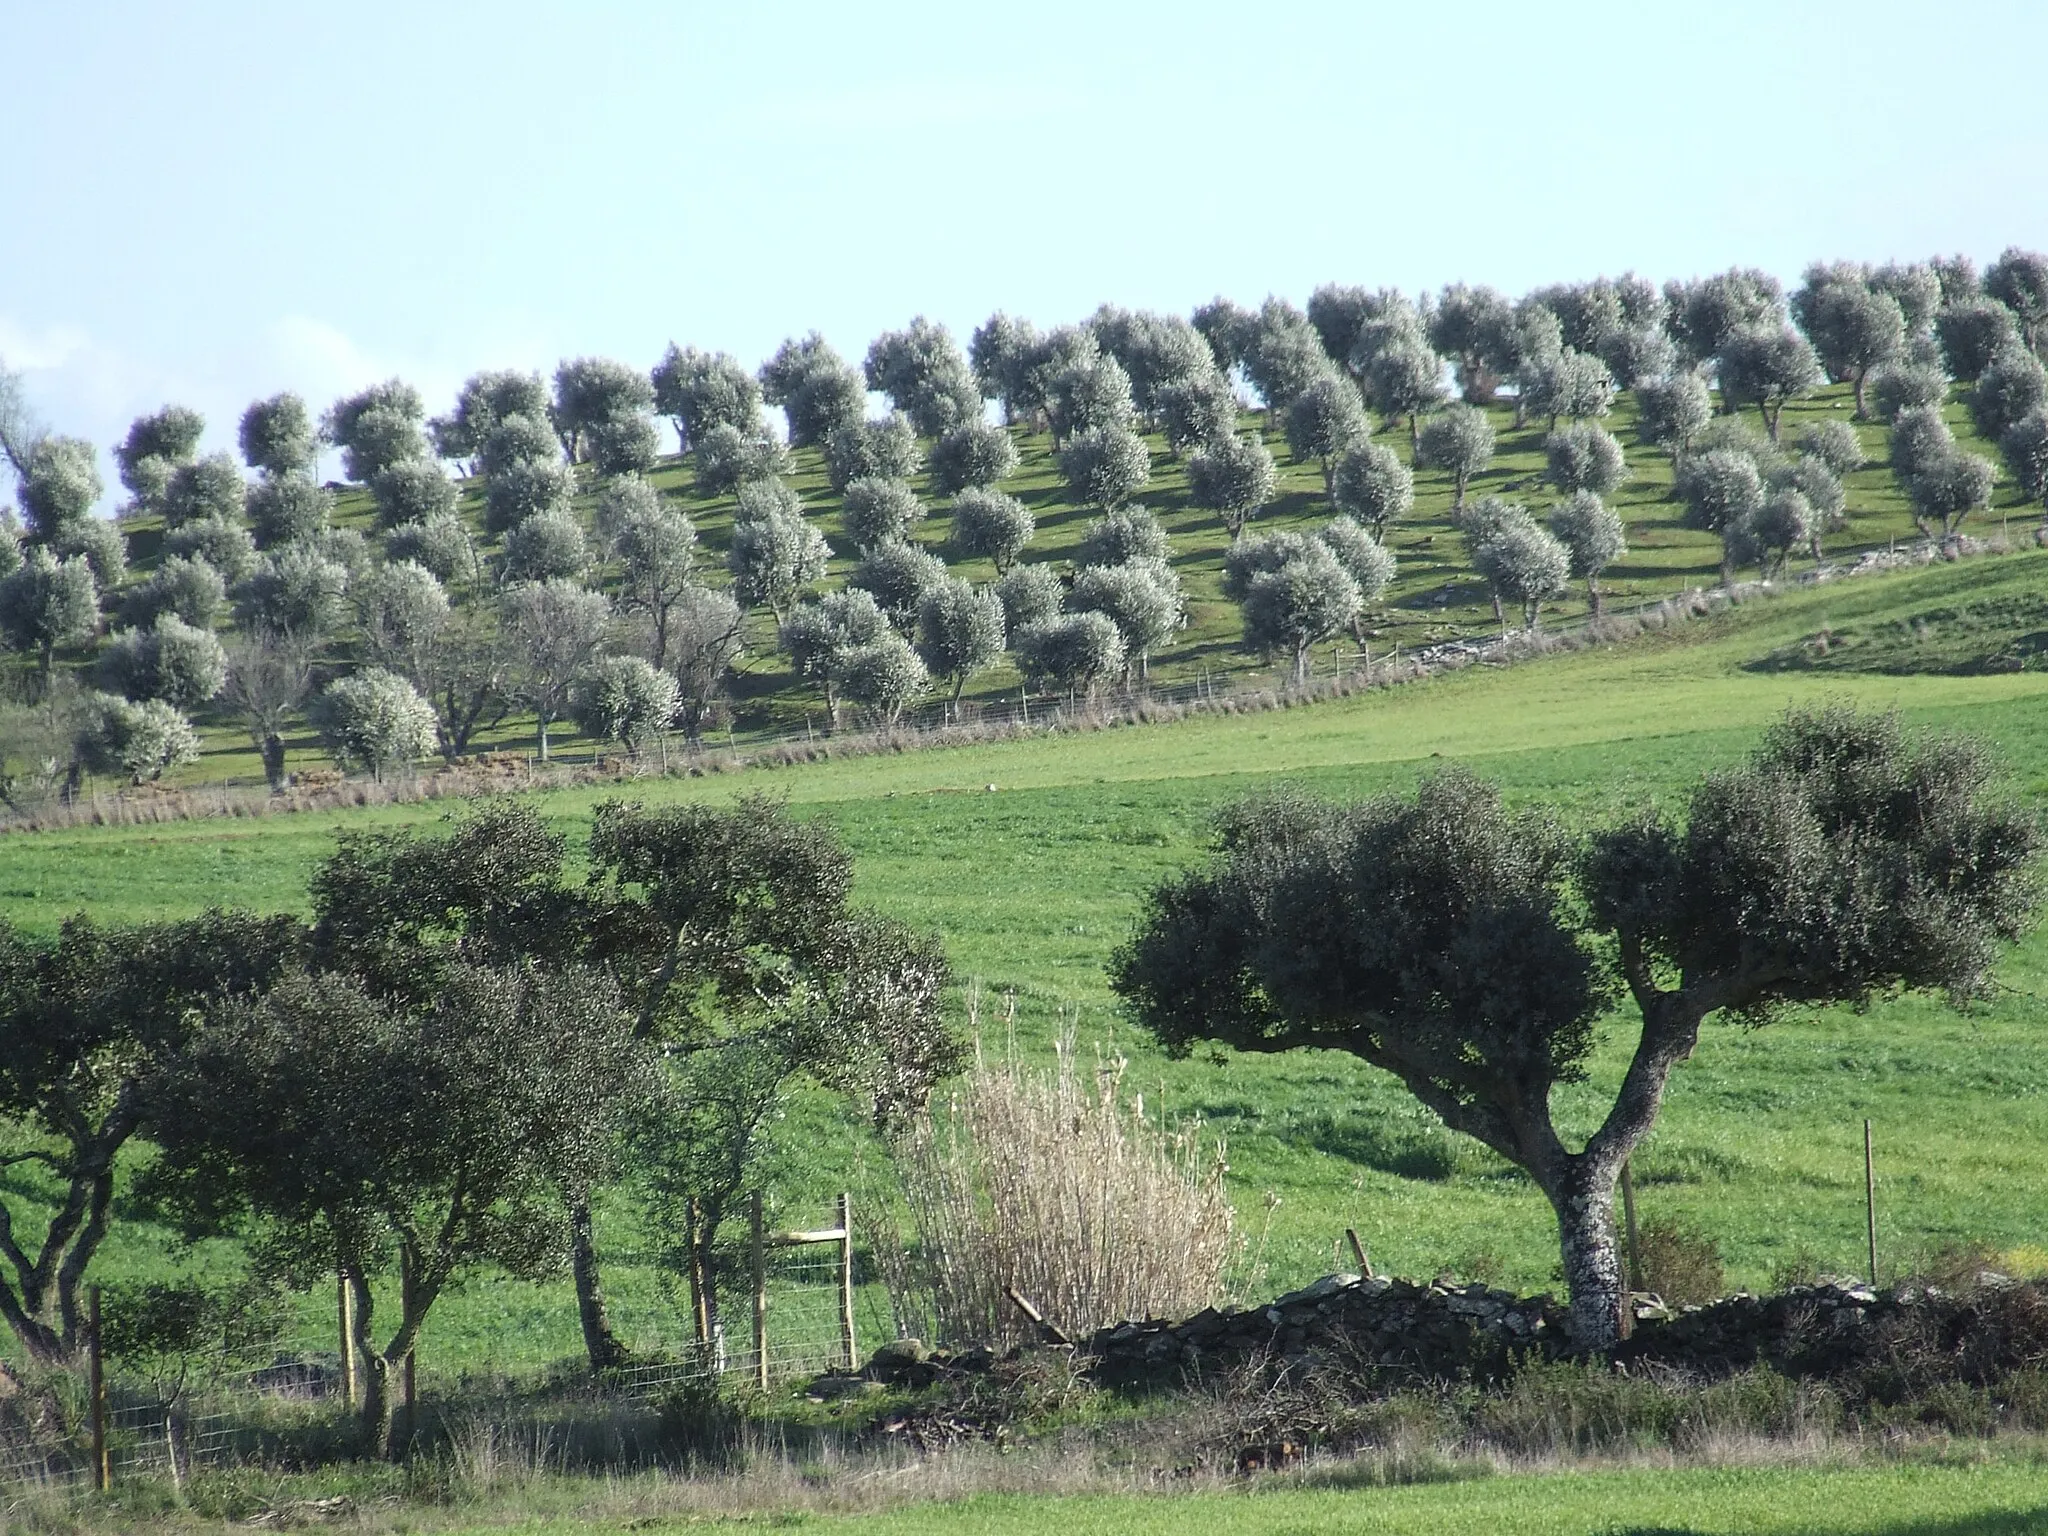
[345, 1312]
[846, 1281]
[1870, 1201]
[760, 1258]
[96, 1370]
[1358, 1252]
[700, 1310]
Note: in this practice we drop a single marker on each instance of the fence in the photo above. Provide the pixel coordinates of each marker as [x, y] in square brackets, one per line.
[768, 1303]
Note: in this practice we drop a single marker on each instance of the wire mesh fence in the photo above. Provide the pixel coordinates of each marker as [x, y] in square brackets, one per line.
[771, 1303]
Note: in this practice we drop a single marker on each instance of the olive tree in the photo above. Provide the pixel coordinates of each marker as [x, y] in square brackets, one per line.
[558, 630]
[401, 610]
[1948, 488]
[2013, 385]
[1131, 534]
[171, 660]
[206, 488]
[991, 525]
[1855, 330]
[774, 558]
[707, 634]
[656, 547]
[1702, 314]
[2025, 447]
[1198, 409]
[1305, 599]
[1592, 536]
[876, 511]
[1521, 562]
[601, 412]
[727, 458]
[1459, 441]
[1722, 490]
[1233, 477]
[1905, 386]
[268, 678]
[1766, 366]
[412, 492]
[546, 547]
[2019, 281]
[1030, 594]
[999, 352]
[1105, 468]
[1141, 597]
[58, 485]
[1406, 379]
[1919, 437]
[484, 403]
[624, 699]
[925, 375]
[46, 602]
[883, 677]
[1583, 457]
[139, 741]
[816, 388]
[518, 437]
[1972, 333]
[373, 720]
[1373, 486]
[1279, 350]
[1572, 384]
[972, 454]
[697, 391]
[1326, 421]
[287, 508]
[1365, 559]
[1473, 327]
[442, 545]
[376, 428]
[1672, 411]
[1835, 444]
[885, 449]
[898, 575]
[1072, 651]
[1785, 521]
[959, 632]
[155, 447]
[1092, 393]
[822, 633]
[1471, 950]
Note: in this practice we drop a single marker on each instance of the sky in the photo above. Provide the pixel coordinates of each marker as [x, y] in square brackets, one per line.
[211, 202]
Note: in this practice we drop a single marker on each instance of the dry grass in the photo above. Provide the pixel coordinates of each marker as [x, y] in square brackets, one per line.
[1060, 1185]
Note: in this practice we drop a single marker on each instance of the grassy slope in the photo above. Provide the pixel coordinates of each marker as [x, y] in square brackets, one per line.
[1033, 884]
[1435, 596]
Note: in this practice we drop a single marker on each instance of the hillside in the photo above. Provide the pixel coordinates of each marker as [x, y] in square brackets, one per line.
[1033, 883]
[1435, 595]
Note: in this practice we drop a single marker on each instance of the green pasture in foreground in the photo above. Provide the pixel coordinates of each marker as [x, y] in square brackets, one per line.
[1907, 1500]
[1032, 883]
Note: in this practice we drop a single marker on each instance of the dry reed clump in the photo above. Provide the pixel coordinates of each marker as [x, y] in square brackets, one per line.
[1058, 1184]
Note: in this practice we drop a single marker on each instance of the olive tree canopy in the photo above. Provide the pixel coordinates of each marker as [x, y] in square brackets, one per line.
[1471, 950]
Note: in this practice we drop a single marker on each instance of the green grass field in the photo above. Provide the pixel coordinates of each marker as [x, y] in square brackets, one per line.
[1032, 884]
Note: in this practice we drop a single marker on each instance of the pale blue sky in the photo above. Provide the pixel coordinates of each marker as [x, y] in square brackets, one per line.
[214, 201]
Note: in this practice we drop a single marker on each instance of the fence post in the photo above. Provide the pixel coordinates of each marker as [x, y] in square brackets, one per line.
[345, 1312]
[760, 1258]
[1870, 1201]
[846, 1281]
[700, 1313]
[96, 1368]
